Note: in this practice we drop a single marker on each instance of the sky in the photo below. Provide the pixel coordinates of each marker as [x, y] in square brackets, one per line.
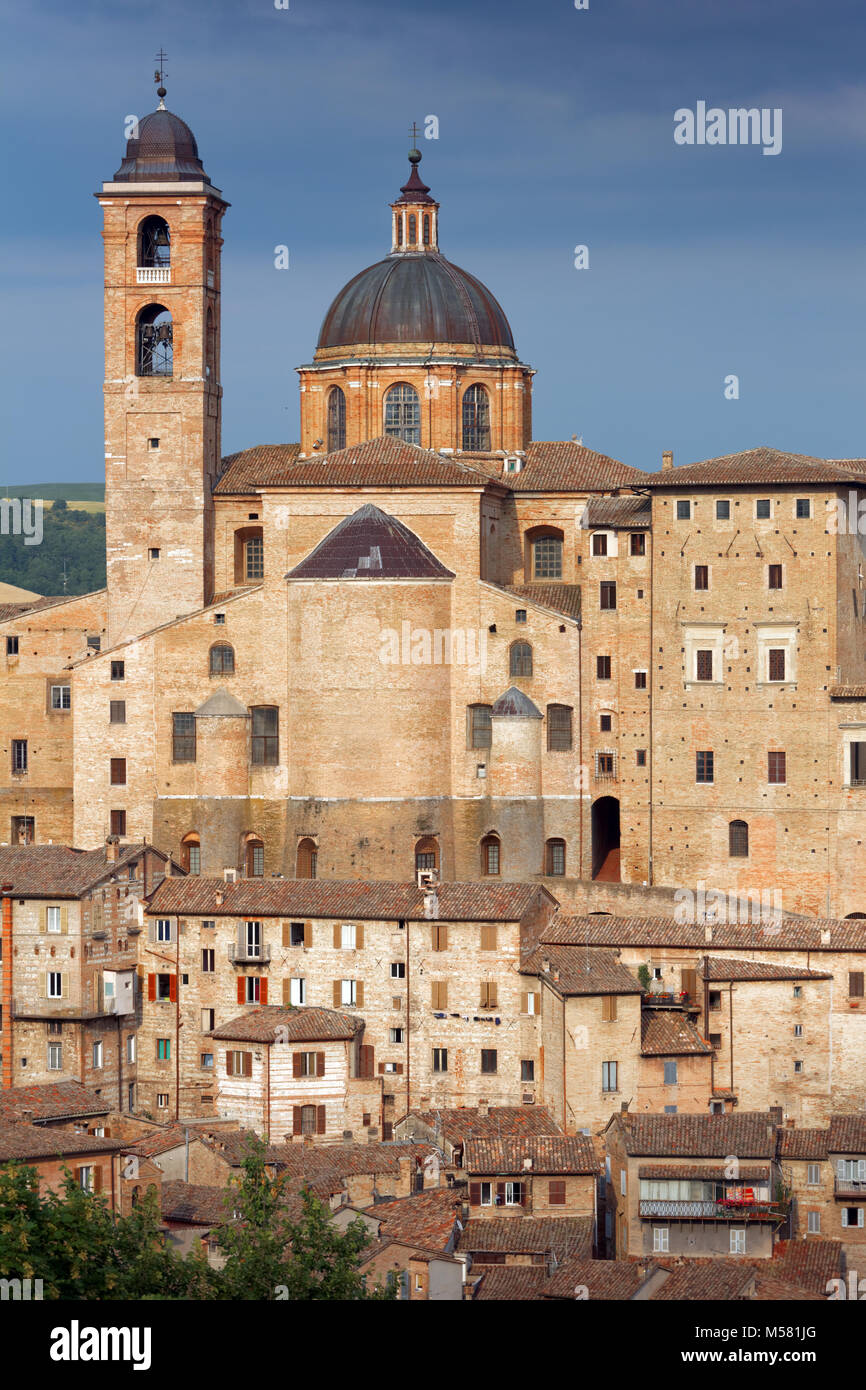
[555, 130]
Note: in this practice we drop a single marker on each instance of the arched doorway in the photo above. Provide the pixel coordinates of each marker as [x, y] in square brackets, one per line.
[605, 839]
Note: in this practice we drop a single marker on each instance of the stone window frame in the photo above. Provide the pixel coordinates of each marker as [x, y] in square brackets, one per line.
[703, 637]
[773, 636]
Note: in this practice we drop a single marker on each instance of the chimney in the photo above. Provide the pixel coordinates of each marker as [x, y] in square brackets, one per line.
[825, 936]
[111, 848]
[483, 1109]
[545, 964]
[708, 933]
[27, 1116]
[527, 1164]
[776, 1114]
[668, 459]
[219, 896]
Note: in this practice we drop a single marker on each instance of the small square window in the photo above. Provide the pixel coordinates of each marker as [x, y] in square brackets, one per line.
[798, 991]
[11, 646]
[599, 543]
[153, 552]
[398, 970]
[153, 443]
[520, 615]
[798, 1068]
[684, 509]
[94, 643]
[118, 670]
[61, 697]
[207, 1061]
[219, 619]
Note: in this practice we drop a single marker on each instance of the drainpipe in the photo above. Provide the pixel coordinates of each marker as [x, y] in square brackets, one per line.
[268, 1091]
[177, 1028]
[7, 984]
[707, 1021]
[580, 741]
[408, 927]
[731, 1026]
[651, 749]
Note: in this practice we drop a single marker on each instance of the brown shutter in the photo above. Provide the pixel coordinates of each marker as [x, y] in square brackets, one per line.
[286, 992]
[64, 920]
[296, 1063]
[248, 1064]
[443, 938]
[43, 918]
[381, 1068]
[855, 984]
[320, 1119]
[434, 937]
[475, 1194]
[43, 984]
[151, 987]
[64, 986]
[398, 1068]
[263, 990]
[387, 1130]
[241, 990]
[488, 938]
[172, 988]
[359, 994]
[286, 934]
[690, 983]
[337, 994]
[365, 1060]
[337, 936]
[97, 1178]
[320, 1064]
[605, 1008]
[308, 933]
[230, 1064]
[491, 994]
[500, 1192]
[524, 1002]
[359, 936]
[297, 1122]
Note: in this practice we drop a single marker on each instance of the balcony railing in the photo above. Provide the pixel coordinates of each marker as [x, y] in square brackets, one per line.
[153, 275]
[61, 1008]
[724, 1210]
[681, 1000]
[249, 955]
[850, 1187]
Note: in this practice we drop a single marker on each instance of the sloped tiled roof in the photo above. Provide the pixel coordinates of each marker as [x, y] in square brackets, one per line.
[56, 871]
[511, 1284]
[380, 462]
[513, 704]
[548, 1155]
[602, 1279]
[221, 705]
[578, 970]
[769, 1290]
[370, 544]
[809, 1144]
[669, 1033]
[528, 1235]
[51, 1100]
[792, 933]
[295, 1024]
[19, 1140]
[721, 969]
[349, 898]
[762, 466]
[629, 513]
[159, 1141]
[559, 598]
[426, 1219]
[748, 1134]
[809, 1264]
[663, 1171]
[716, 1280]
[318, 1161]
[500, 1122]
[196, 1203]
[560, 465]
[847, 1134]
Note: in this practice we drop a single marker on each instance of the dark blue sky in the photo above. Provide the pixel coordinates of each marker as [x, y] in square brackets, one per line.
[556, 128]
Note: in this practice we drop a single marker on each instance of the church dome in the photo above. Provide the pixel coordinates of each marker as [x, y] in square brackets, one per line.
[165, 151]
[415, 298]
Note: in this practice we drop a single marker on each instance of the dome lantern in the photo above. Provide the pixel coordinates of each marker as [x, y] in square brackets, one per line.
[415, 215]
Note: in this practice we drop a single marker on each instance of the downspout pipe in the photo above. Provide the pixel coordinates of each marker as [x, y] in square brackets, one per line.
[6, 996]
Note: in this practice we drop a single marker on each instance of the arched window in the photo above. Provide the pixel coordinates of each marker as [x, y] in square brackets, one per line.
[426, 229]
[520, 659]
[476, 419]
[554, 858]
[307, 861]
[254, 857]
[490, 855]
[413, 229]
[222, 660]
[154, 342]
[544, 553]
[336, 419]
[249, 555]
[738, 839]
[399, 229]
[154, 243]
[190, 854]
[403, 413]
[427, 853]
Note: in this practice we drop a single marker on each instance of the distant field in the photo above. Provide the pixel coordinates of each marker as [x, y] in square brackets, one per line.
[76, 505]
[77, 492]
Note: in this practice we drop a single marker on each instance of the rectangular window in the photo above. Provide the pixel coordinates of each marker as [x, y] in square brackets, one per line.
[162, 1099]
[305, 1064]
[208, 960]
[738, 1242]
[684, 509]
[97, 1054]
[183, 738]
[440, 1059]
[297, 991]
[605, 723]
[439, 937]
[118, 822]
[527, 1070]
[813, 1175]
[702, 577]
[253, 989]
[763, 509]
[547, 558]
[640, 680]
[480, 726]
[52, 920]
[604, 764]
[556, 1192]
[857, 774]
[777, 767]
[347, 936]
[19, 755]
[163, 1049]
[798, 1068]
[61, 697]
[11, 646]
[559, 736]
[488, 1061]
[54, 984]
[163, 929]
[803, 508]
[520, 615]
[704, 765]
[637, 543]
[163, 987]
[395, 1035]
[265, 736]
[640, 757]
[514, 1194]
[608, 1008]
[608, 1076]
[798, 1030]
[599, 544]
[439, 995]
[813, 1224]
[398, 970]
[486, 1194]
[723, 510]
[130, 1048]
[117, 711]
[118, 670]
[602, 668]
[85, 1178]
[607, 595]
[118, 772]
[855, 984]
[348, 992]
[776, 664]
[296, 934]
[670, 1073]
[55, 1056]
[489, 936]
[703, 665]
[661, 1240]
[207, 1061]
[488, 995]
[774, 576]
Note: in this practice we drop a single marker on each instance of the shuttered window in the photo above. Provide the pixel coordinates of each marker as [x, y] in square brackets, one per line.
[439, 995]
[265, 750]
[738, 839]
[183, 738]
[556, 1192]
[480, 726]
[559, 728]
[776, 664]
[855, 984]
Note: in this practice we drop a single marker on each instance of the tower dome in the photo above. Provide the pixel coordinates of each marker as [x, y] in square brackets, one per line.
[164, 151]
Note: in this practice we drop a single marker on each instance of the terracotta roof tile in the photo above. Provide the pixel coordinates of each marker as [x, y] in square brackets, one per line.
[368, 545]
[56, 871]
[809, 1264]
[500, 1122]
[602, 1279]
[160, 1141]
[526, 1235]
[708, 1172]
[267, 1022]
[51, 1100]
[559, 598]
[25, 1141]
[380, 462]
[339, 1161]
[428, 1219]
[748, 1134]
[668, 1033]
[629, 513]
[810, 1144]
[717, 1280]
[560, 465]
[553, 1154]
[576, 970]
[762, 467]
[721, 969]
[768, 1290]
[793, 933]
[847, 1134]
[511, 1284]
[350, 899]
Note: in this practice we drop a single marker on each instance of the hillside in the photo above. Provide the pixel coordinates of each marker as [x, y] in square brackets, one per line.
[71, 538]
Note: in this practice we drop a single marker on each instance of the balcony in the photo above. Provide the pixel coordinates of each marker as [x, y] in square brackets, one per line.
[62, 1009]
[153, 275]
[850, 1187]
[680, 1000]
[249, 955]
[727, 1209]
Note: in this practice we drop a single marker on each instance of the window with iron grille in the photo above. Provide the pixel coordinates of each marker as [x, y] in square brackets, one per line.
[704, 770]
[605, 723]
[776, 664]
[254, 558]
[777, 770]
[490, 855]
[222, 660]
[774, 577]
[19, 755]
[480, 726]
[559, 736]
[803, 508]
[723, 510]
[265, 736]
[183, 738]
[336, 419]
[555, 858]
[704, 665]
[520, 659]
[762, 509]
[637, 543]
[684, 509]
[702, 577]
[117, 711]
[602, 668]
[607, 593]
[738, 839]
[599, 543]
[476, 419]
[547, 557]
[605, 764]
[403, 413]
[855, 984]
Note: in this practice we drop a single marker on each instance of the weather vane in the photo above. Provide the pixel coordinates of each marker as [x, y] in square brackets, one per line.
[159, 76]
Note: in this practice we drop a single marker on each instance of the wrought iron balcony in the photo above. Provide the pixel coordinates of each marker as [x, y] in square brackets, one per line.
[153, 275]
[249, 955]
[850, 1187]
[681, 1000]
[725, 1210]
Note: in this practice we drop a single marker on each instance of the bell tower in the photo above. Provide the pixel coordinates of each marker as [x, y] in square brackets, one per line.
[161, 229]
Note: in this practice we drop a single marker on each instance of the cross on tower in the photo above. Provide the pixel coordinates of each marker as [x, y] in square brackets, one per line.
[159, 75]
[413, 134]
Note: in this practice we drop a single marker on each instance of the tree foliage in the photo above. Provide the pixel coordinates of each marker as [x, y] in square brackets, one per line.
[71, 537]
